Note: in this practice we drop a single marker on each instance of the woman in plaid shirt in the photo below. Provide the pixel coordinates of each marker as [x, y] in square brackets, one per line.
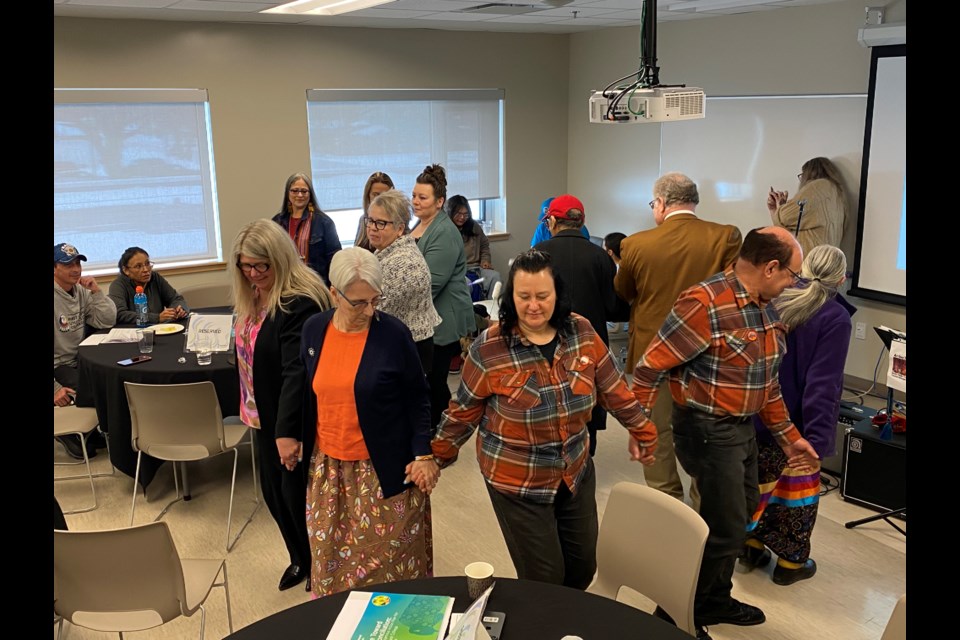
[530, 384]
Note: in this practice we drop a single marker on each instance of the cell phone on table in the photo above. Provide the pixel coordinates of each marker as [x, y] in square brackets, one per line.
[130, 361]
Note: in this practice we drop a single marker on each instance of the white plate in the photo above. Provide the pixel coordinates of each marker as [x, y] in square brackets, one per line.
[167, 329]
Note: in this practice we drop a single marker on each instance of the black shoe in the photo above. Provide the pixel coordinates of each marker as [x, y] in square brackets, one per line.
[753, 558]
[307, 589]
[702, 634]
[293, 576]
[73, 447]
[784, 576]
[96, 440]
[738, 613]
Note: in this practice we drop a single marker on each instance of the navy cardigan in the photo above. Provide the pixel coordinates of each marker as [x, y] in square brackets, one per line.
[392, 395]
[324, 241]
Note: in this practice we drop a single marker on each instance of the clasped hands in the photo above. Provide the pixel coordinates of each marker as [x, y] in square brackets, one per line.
[424, 473]
[776, 198]
[639, 453]
[172, 314]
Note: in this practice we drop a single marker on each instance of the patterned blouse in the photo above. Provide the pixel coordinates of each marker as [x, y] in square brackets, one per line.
[407, 287]
[246, 332]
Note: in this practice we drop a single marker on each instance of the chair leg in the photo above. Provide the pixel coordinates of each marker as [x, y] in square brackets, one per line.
[88, 475]
[233, 484]
[203, 620]
[178, 497]
[60, 628]
[136, 479]
[226, 595]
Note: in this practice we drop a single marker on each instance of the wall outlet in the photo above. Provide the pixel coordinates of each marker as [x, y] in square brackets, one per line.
[861, 331]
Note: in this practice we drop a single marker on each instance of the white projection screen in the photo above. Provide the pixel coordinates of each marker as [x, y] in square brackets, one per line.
[880, 266]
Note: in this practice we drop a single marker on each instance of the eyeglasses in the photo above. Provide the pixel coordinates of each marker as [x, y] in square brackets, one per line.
[300, 192]
[797, 278]
[140, 267]
[260, 267]
[652, 202]
[379, 225]
[374, 302]
[800, 176]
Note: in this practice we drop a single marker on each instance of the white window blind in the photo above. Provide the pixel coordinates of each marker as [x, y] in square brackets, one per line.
[134, 167]
[355, 132]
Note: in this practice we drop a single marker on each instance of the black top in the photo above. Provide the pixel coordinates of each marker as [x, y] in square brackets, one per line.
[588, 273]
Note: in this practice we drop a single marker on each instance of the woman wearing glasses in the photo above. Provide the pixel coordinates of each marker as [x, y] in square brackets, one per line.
[406, 277]
[366, 436]
[312, 231]
[163, 302]
[818, 213]
[377, 183]
[275, 293]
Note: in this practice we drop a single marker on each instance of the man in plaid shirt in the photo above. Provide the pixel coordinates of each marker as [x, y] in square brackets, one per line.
[721, 346]
[530, 384]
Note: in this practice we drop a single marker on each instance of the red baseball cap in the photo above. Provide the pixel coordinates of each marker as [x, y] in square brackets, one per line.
[562, 205]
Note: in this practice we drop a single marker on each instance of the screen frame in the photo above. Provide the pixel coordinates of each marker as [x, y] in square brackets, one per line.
[899, 50]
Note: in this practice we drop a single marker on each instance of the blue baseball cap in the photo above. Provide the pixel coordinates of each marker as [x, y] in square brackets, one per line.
[65, 253]
[544, 208]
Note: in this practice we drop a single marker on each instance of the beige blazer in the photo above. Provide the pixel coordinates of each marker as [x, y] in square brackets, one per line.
[656, 265]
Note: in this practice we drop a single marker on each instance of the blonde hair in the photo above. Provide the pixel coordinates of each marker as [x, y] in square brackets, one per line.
[266, 240]
[824, 269]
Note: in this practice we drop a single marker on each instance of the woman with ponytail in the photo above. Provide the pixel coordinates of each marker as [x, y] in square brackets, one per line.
[818, 322]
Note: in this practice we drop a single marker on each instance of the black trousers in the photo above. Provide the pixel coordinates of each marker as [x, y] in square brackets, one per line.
[67, 376]
[425, 351]
[437, 377]
[720, 454]
[555, 543]
[285, 493]
[597, 422]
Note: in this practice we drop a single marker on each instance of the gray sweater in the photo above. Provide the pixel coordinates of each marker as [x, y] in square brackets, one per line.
[160, 295]
[71, 311]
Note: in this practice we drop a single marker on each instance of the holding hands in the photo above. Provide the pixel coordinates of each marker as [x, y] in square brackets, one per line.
[291, 452]
[424, 473]
[639, 453]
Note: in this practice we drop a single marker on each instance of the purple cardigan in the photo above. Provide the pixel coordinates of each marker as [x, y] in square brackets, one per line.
[811, 375]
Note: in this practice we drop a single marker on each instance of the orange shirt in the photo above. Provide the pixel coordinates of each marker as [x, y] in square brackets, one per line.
[338, 428]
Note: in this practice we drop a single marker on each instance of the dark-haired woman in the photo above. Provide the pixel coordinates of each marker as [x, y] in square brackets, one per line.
[377, 183]
[164, 304]
[313, 232]
[824, 205]
[439, 241]
[530, 384]
[476, 245]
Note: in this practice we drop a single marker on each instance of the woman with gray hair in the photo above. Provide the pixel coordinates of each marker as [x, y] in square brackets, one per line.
[366, 434]
[408, 292]
[274, 294]
[811, 380]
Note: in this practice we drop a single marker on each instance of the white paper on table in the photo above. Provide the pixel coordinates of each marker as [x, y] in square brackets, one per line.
[216, 327]
[897, 365]
[120, 335]
[94, 339]
[472, 619]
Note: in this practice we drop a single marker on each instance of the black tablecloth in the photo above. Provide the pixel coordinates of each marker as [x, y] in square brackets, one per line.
[533, 610]
[101, 386]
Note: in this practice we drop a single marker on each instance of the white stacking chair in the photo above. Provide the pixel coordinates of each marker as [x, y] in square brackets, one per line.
[80, 421]
[183, 423]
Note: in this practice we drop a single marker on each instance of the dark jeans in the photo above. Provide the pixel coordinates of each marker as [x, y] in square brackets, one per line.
[437, 377]
[67, 376]
[720, 454]
[555, 543]
[425, 351]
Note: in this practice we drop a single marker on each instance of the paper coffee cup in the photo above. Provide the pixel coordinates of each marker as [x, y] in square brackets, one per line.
[479, 578]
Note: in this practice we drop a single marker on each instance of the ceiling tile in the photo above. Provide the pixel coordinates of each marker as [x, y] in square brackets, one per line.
[222, 5]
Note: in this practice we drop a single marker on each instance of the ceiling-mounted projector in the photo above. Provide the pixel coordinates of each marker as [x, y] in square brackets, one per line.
[656, 104]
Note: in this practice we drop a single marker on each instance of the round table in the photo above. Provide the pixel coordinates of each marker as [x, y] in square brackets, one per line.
[101, 386]
[533, 610]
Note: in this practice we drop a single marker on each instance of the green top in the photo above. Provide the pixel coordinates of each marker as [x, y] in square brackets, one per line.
[442, 248]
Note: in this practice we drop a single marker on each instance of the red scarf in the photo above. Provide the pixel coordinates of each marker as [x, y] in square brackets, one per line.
[300, 233]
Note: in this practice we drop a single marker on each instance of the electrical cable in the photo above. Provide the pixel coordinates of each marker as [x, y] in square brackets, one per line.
[876, 369]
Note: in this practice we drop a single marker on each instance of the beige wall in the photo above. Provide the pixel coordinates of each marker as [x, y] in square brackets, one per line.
[257, 75]
[802, 50]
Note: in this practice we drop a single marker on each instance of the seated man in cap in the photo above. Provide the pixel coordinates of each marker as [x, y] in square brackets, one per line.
[77, 301]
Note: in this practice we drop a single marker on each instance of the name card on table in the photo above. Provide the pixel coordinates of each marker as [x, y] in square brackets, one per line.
[214, 328]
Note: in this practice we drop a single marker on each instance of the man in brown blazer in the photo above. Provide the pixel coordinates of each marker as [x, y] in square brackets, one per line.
[655, 266]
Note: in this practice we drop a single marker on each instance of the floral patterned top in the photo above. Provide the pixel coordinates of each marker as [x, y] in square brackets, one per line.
[246, 332]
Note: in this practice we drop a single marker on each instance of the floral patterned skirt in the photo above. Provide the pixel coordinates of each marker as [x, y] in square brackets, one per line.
[358, 538]
[787, 510]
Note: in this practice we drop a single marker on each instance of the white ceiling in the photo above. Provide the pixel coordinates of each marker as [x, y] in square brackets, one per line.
[578, 15]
